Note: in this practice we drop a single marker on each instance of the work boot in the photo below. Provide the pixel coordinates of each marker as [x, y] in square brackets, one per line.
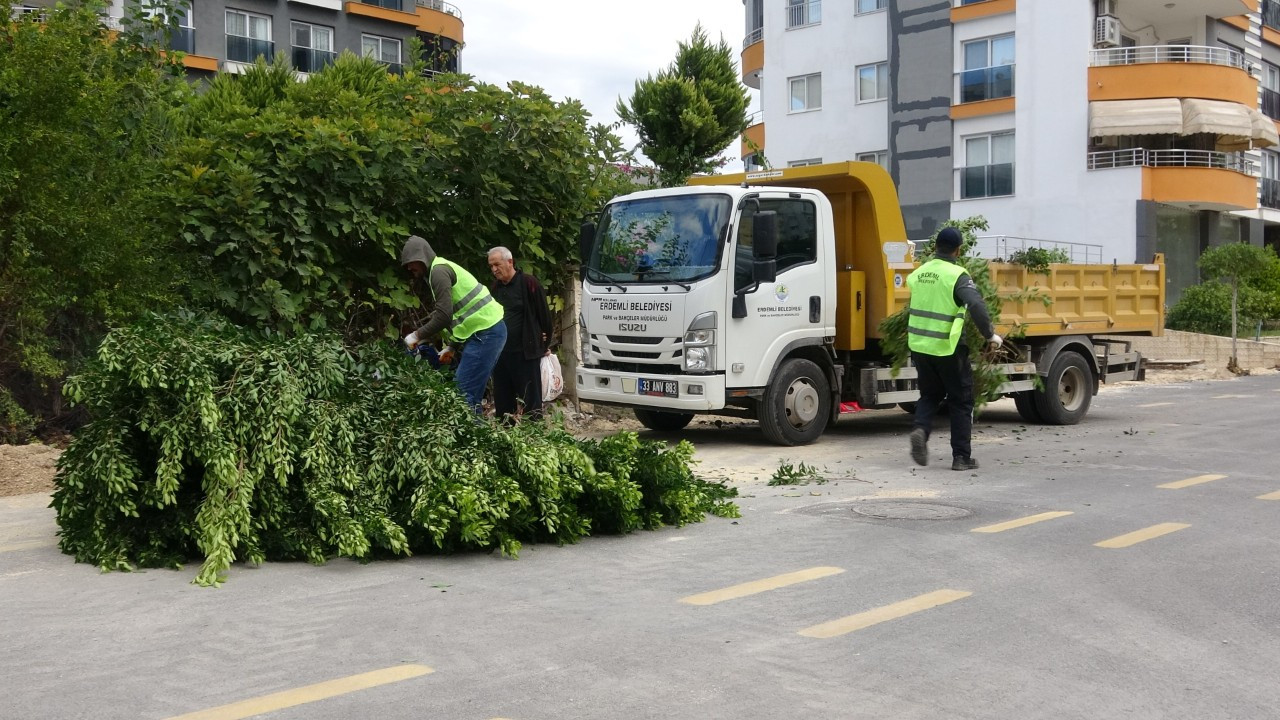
[964, 463]
[919, 446]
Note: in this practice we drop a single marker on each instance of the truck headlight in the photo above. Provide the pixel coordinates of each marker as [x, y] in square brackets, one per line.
[584, 341]
[700, 344]
[698, 359]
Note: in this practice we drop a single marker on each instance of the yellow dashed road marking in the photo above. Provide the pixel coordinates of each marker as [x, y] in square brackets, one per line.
[1137, 536]
[845, 625]
[759, 586]
[30, 545]
[1159, 404]
[308, 694]
[1020, 522]
[1197, 480]
[1228, 397]
[1270, 496]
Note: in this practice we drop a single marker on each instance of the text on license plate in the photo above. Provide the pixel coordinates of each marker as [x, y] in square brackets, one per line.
[663, 388]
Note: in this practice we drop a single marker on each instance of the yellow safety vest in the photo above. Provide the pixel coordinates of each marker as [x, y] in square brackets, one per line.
[473, 306]
[935, 321]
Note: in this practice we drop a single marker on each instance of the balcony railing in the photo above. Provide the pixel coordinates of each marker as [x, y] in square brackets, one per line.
[1271, 14]
[753, 37]
[987, 83]
[388, 4]
[755, 118]
[1271, 193]
[18, 11]
[1271, 103]
[440, 6]
[806, 13]
[309, 60]
[979, 181]
[183, 39]
[246, 50]
[1138, 157]
[1169, 53]
[1004, 246]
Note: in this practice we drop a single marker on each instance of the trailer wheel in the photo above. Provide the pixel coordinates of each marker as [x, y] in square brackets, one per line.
[797, 405]
[1025, 401]
[661, 420]
[1068, 390]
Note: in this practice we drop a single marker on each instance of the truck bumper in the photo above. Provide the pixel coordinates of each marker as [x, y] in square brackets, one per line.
[696, 393]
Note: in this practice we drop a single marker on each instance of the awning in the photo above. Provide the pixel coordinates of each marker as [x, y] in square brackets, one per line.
[1159, 116]
[1217, 117]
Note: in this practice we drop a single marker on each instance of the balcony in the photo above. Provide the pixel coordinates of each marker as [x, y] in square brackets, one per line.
[388, 4]
[989, 83]
[982, 181]
[309, 60]
[1271, 193]
[440, 18]
[1271, 14]
[1171, 71]
[753, 58]
[805, 13]
[753, 134]
[1195, 179]
[246, 50]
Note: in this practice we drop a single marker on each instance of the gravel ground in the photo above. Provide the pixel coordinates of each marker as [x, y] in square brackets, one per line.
[31, 468]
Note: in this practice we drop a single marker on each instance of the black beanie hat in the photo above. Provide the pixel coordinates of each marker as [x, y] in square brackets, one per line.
[949, 239]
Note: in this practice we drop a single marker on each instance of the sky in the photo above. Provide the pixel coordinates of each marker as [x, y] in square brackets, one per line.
[590, 50]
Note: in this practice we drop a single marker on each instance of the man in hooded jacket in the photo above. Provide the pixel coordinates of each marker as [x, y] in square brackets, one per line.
[464, 310]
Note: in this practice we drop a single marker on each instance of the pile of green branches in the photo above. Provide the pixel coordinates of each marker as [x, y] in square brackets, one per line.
[207, 441]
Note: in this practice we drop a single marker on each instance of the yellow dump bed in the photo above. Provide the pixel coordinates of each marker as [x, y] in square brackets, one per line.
[874, 258]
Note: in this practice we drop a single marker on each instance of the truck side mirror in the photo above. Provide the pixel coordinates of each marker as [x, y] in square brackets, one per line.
[586, 237]
[764, 246]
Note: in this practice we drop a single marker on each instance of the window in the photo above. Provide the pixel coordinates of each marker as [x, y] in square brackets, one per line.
[988, 69]
[988, 170]
[873, 82]
[1270, 179]
[879, 157]
[805, 163]
[806, 92]
[248, 36]
[181, 38]
[803, 12]
[382, 49]
[866, 6]
[312, 46]
[797, 236]
[1271, 91]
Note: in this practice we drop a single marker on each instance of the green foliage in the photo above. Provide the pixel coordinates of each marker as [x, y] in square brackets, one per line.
[802, 474]
[299, 195]
[82, 243]
[690, 112]
[209, 441]
[1037, 260]
[1252, 273]
[986, 378]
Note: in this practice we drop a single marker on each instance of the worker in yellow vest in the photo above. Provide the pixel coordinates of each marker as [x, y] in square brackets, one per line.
[942, 295]
[464, 309]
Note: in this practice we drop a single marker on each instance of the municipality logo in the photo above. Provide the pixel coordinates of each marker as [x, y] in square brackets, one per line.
[781, 292]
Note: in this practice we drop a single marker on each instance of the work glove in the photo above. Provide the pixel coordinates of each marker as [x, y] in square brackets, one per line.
[411, 340]
[995, 340]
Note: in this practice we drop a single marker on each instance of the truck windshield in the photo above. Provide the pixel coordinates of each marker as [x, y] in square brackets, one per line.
[667, 239]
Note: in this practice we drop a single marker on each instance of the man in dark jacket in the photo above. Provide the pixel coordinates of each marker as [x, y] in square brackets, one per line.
[942, 296]
[518, 374]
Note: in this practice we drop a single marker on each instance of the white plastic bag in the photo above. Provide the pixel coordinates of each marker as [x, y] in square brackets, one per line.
[552, 377]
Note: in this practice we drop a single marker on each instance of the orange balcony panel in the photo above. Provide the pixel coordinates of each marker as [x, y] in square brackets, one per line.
[439, 22]
[1207, 187]
[753, 64]
[983, 9]
[754, 134]
[1173, 80]
[373, 11]
[1271, 35]
[200, 62]
[982, 108]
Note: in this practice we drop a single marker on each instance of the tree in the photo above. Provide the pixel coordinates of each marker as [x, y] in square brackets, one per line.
[1238, 264]
[83, 134]
[690, 112]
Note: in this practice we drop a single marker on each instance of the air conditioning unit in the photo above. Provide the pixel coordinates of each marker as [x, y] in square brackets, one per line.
[1106, 7]
[1106, 32]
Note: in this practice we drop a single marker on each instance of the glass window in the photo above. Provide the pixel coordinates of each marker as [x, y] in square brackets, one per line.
[805, 163]
[988, 170]
[866, 6]
[667, 239]
[797, 236]
[988, 69]
[873, 82]
[314, 37]
[380, 48]
[803, 12]
[879, 157]
[806, 92]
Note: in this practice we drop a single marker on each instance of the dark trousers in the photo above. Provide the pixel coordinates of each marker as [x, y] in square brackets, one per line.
[948, 378]
[515, 378]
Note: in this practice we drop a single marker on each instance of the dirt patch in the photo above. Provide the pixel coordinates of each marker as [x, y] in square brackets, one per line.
[27, 469]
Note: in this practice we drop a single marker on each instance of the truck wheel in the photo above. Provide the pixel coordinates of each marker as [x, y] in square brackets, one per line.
[1026, 404]
[662, 421]
[908, 407]
[796, 406]
[1068, 390]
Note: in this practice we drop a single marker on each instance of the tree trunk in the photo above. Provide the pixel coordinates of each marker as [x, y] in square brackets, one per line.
[1235, 293]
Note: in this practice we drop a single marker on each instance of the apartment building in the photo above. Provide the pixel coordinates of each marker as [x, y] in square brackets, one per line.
[1115, 128]
[229, 35]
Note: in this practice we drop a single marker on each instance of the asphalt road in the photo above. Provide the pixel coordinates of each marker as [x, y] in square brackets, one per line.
[1122, 568]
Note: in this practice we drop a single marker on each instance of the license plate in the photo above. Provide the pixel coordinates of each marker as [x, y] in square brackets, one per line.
[661, 388]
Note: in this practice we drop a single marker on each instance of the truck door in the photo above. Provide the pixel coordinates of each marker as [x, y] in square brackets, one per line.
[792, 307]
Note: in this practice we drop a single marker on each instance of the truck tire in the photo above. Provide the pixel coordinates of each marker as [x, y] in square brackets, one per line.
[1068, 390]
[663, 421]
[1025, 401]
[908, 407]
[797, 404]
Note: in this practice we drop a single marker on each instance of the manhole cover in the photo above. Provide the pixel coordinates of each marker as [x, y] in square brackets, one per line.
[911, 511]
